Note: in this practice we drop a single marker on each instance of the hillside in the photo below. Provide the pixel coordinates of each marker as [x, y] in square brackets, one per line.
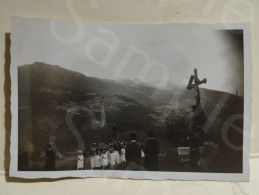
[47, 94]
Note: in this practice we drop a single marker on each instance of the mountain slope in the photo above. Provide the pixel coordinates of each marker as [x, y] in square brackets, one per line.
[47, 93]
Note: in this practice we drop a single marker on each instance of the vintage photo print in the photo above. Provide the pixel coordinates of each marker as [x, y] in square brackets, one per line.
[141, 101]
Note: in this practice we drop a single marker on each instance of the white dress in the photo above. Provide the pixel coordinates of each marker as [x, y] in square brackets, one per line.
[123, 151]
[97, 161]
[112, 159]
[142, 154]
[105, 159]
[117, 158]
[93, 161]
[80, 162]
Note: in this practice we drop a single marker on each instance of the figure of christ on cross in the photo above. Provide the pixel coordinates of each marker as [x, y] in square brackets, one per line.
[194, 83]
[198, 118]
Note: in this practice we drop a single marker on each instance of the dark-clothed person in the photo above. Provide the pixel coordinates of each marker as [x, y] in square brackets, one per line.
[206, 162]
[50, 159]
[22, 160]
[133, 153]
[151, 153]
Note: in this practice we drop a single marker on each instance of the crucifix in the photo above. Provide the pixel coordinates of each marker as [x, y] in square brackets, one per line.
[198, 117]
[194, 83]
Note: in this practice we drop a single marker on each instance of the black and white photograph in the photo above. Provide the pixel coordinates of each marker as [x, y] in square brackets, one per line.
[141, 101]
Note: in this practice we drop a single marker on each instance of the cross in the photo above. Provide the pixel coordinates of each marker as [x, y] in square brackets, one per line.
[194, 83]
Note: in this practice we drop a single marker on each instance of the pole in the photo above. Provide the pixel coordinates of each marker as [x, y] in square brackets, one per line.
[103, 120]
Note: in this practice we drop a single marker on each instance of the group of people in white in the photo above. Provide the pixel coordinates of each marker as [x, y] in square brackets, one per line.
[122, 155]
[108, 157]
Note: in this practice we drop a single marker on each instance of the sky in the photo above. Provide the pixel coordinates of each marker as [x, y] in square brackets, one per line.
[161, 55]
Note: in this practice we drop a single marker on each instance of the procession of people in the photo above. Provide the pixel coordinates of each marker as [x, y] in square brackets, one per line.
[122, 155]
[107, 156]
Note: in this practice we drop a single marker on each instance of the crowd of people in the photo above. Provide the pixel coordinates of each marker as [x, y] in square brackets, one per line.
[116, 155]
[122, 155]
[109, 156]
[126, 156]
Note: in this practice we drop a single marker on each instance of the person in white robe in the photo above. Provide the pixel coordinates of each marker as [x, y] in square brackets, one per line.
[98, 163]
[93, 158]
[112, 159]
[122, 155]
[80, 161]
[117, 157]
[105, 161]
